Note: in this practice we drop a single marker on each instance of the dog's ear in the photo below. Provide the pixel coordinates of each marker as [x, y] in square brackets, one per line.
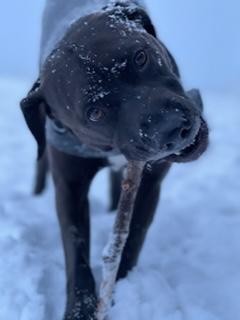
[140, 16]
[34, 111]
[196, 97]
[133, 12]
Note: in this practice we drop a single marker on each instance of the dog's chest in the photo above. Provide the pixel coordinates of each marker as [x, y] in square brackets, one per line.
[117, 162]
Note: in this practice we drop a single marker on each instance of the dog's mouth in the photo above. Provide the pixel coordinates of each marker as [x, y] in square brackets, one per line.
[195, 149]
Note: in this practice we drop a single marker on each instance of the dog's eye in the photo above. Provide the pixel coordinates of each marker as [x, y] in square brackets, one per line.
[141, 58]
[95, 114]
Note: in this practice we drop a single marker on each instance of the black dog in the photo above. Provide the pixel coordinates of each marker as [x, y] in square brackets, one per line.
[109, 89]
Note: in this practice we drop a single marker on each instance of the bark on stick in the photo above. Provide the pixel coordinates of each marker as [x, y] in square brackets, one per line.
[113, 251]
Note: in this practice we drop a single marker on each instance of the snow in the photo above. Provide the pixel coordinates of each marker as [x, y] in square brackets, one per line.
[190, 266]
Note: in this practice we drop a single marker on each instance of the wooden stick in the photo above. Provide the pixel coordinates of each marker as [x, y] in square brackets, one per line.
[113, 251]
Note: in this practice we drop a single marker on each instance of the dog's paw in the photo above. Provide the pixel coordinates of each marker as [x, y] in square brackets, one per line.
[84, 308]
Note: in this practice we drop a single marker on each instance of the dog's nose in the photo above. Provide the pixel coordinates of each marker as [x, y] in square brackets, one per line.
[167, 130]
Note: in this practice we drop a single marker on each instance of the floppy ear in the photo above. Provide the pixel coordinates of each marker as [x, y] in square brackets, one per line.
[33, 108]
[140, 15]
[134, 12]
[196, 97]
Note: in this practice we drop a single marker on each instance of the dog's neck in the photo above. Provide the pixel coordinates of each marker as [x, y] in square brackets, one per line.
[64, 140]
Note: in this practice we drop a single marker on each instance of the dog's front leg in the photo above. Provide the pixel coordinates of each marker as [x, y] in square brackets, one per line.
[72, 177]
[144, 209]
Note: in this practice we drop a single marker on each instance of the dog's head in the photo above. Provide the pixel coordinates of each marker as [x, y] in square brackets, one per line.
[114, 85]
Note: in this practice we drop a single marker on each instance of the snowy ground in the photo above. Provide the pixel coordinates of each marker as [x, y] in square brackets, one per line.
[190, 266]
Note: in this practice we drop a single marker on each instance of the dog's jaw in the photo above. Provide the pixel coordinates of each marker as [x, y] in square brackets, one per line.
[195, 149]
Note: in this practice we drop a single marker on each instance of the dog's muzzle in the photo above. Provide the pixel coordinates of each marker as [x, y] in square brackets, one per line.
[162, 134]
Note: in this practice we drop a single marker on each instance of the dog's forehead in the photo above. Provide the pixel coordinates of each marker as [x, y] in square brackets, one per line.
[105, 30]
[89, 48]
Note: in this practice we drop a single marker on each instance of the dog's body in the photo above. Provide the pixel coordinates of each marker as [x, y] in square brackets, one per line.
[59, 15]
[109, 89]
